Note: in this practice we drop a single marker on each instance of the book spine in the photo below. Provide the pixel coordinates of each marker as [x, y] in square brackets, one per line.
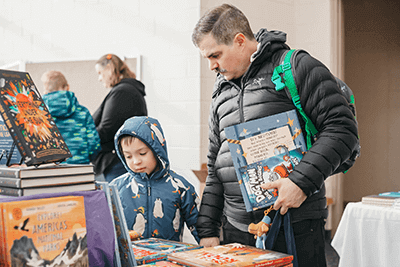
[10, 182]
[2, 247]
[8, 191]
[10, 173]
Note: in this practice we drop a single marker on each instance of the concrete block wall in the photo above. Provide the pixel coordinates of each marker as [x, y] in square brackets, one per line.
[159, 31]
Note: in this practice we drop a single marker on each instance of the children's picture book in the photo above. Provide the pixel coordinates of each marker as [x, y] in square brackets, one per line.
[45, 170]
[18, 192]
[124, 253]
[50, 230]
[28, 120]
[155, 249]
[265, 150]
[8, 153]
[233, 254]
[46, 181]
[162, 263]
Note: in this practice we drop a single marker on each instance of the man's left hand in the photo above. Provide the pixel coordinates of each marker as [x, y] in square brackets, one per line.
[289, 194]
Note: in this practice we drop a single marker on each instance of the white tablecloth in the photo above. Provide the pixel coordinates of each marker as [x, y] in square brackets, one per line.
[368, 235]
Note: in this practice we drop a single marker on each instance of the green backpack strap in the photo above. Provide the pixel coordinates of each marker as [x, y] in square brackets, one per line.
[284, 71]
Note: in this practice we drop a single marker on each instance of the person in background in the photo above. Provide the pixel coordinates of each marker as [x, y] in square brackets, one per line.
[124, 100]
[243, 91]
[157, 201]
[74, 121]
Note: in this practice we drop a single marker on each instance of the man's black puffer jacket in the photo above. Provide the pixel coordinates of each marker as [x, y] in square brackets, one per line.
[256, 98]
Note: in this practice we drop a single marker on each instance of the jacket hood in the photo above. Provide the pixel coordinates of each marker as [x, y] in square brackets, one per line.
[137, 84]
[61, 104]
[149, 131]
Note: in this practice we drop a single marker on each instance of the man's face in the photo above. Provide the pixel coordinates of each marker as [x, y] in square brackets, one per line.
[229, 60]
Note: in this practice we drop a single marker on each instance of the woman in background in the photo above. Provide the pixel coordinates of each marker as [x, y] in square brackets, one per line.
[125, 100]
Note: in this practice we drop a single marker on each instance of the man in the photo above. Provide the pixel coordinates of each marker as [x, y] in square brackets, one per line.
[243, 91]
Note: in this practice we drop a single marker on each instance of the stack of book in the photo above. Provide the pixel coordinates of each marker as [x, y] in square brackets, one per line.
[387, 199]
[233, 254]
[47, 178]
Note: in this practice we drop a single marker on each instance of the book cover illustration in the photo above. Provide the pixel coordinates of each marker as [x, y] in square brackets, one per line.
[45, 232]
[260, 146]
[28, 120]
[6, 146]
[123, 244]
[234, 254]
[154, 249]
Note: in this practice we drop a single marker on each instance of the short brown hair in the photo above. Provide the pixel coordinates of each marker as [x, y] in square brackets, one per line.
[119, 68]
[53, 81]
[126, 139]
[223, 22]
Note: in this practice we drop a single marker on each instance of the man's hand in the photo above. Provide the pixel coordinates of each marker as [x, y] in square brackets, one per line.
[290, 195]
[209, 242]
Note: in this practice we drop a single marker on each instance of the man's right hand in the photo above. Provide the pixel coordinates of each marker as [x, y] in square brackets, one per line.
[209, 242]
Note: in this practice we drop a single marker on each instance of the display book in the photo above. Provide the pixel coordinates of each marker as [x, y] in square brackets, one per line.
[233, 254]
[265, 150]
[156, 249]
[49, 230]
[8, 154]
[20, 180]
[28, 120]
[386, 199]
[124, 254]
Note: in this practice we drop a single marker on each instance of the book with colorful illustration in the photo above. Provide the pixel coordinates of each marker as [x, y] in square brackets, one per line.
[265, 150]
[123, 244]
[8, 153]
[233, 254]
[49, 230]
[28, 120]
[155, 249]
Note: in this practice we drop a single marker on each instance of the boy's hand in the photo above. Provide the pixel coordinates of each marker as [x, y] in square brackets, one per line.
[289, 194]
[209, 242]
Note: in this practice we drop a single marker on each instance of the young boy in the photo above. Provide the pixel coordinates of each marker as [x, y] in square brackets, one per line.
[156, 200]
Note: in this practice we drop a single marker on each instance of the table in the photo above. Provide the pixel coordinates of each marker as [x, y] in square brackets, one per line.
[368, 235]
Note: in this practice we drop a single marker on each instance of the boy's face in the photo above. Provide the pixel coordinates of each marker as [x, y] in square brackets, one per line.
[139, 156]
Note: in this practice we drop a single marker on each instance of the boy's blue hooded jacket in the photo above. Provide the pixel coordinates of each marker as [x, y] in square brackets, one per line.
[155, 206]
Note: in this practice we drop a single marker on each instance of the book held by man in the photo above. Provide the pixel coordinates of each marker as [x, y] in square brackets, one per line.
[28, 120]
[51, 230]
[265, 150]
[233, 254]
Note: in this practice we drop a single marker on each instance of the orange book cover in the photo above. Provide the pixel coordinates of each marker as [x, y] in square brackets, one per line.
[49, 230]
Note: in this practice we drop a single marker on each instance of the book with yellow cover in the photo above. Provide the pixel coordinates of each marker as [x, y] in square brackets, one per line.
[50, 230]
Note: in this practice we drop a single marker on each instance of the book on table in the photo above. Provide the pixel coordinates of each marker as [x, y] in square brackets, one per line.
[387, 199]
[155, 249]
[123, 251]
[44, 170]
[233, 254]
[18, 192]
[28, 120]
[49, 230]
[264, 150]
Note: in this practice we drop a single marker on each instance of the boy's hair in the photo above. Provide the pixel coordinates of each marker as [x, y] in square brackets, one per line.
[53, 81]
[119, 68]
[126, 139]
[223, 22]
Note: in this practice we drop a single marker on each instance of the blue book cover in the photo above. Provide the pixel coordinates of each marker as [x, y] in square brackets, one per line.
[265, 150]
[6, 142]
[124, 255]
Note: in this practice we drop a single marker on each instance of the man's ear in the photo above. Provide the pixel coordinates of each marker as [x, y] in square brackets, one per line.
[239, 39]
